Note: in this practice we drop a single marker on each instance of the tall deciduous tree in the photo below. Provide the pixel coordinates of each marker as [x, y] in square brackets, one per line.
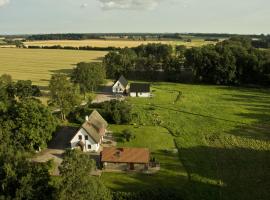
[34, 124]
[89, 76]
[63, 94]
[76, 181]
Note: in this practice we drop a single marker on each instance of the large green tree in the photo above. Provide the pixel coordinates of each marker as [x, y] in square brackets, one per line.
[88, 76]
[64, 95]
[33, 124]
[76, 181]
[21, 179]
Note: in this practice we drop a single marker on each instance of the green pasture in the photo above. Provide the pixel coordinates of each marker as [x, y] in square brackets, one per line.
[222, 135]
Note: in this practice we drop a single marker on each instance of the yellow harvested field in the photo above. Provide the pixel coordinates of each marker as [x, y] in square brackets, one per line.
[112, 43]
[39, 64]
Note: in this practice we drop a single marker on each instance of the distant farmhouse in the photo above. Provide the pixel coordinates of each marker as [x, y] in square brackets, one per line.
[113, 158]
[90, 135]
[139, 90]
[120, 86]
[134, 90]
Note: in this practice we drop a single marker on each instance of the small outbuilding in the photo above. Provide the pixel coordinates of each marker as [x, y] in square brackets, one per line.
[139, 90]
[113, 158]
[120, 86]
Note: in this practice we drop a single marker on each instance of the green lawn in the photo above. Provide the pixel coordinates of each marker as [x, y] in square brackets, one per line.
[162, 147]
[222, 134]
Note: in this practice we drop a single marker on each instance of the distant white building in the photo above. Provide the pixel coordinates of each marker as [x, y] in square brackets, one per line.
[120, 86]
[90, 135]
[139, 90]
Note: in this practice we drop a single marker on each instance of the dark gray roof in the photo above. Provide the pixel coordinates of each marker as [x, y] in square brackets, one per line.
[123, 81]
[95, 126]
[139, 87]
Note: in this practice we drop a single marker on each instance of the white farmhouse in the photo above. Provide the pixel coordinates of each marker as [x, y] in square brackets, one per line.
[120, 86]
[139, 90]
[90, 135]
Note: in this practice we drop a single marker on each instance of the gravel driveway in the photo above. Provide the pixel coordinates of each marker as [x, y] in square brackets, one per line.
[56, 148]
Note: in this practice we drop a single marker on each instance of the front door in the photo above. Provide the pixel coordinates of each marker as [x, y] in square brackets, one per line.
[131, 166]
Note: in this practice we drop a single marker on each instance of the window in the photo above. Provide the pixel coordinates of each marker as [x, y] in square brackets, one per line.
[89, 146]
[80, 137]
[86, 137]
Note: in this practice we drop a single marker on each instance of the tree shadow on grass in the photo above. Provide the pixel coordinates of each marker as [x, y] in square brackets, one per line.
[220, 173]
[257, 107]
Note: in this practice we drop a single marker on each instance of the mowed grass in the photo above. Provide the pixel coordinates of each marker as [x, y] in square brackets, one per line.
[162, 147]
[222, 135]
[114, 43]
[39, 64]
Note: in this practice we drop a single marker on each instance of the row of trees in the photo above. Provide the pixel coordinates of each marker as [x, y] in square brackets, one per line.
[233, 61]
[148, 59]
[85, 48]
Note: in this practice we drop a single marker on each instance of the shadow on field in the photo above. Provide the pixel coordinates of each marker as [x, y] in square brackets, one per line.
[62, 71]
[220, 173]
[258, 109]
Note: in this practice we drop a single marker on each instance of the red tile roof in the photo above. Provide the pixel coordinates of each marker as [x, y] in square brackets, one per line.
[125, 155]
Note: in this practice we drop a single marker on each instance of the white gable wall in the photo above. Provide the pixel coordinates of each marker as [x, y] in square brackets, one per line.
[75, 140]
[118, 88]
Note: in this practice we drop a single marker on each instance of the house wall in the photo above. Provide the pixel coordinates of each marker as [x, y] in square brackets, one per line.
[94, 146]
[143, 94]
[118, 88]
[123, 166]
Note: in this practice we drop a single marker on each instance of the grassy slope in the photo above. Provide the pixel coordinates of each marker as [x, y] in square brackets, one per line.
[161, 144]
[38, 64]
[113, 43]
[224, 140]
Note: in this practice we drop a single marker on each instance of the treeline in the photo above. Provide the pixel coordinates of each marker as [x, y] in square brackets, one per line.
[263, 42]
[234, 61]
[149, 62]
[86, 48]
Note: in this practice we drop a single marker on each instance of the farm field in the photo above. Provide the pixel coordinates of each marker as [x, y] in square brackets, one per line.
[39, 64]
[222, 135]
[113, 43]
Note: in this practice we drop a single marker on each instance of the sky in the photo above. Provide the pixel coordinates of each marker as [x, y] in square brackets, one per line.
[163, 16]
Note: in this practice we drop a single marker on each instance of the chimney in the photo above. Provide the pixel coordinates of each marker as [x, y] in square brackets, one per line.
[86, 118]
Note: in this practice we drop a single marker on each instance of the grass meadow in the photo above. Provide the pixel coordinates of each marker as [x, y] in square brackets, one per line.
[39, 64]
[114, 43]
[222, 135]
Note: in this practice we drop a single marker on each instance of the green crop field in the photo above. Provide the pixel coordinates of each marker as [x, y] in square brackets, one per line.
[39, 64]
[222, 135]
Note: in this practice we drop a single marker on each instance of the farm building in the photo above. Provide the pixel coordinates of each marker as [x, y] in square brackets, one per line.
[113, 158]
[139, 90]
[120, 86]
[90, 135]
